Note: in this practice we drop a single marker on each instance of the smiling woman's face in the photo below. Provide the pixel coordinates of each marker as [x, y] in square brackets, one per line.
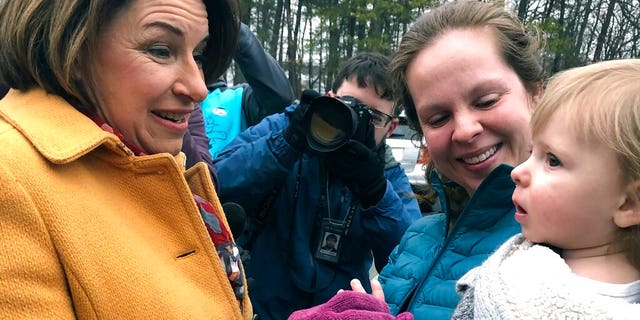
[147, 72]
[473, 109]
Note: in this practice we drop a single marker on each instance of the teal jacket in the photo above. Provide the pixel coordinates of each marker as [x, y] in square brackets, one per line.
[422, 271]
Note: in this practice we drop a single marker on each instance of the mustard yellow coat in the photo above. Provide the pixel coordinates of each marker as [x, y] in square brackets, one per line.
[90, 231]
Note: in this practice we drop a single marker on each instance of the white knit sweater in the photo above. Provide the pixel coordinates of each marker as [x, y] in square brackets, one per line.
[522, 280]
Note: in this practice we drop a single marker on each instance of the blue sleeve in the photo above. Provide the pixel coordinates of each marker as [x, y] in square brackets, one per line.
[255, 162]
[387, 221]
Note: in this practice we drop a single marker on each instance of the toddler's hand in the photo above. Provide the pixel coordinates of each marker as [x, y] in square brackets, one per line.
[376, 288]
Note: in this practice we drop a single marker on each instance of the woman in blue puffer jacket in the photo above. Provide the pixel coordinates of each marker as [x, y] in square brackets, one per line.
[469, 76]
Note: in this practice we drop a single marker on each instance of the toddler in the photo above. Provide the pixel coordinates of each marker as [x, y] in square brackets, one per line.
[577, 199]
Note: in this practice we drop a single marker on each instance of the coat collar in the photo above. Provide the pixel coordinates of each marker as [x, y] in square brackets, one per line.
[493, 195]
[55, 128]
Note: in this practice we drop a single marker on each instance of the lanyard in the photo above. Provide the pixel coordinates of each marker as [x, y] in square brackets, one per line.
[325, 202]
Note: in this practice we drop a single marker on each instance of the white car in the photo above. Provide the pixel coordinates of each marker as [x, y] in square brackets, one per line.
[406, 149]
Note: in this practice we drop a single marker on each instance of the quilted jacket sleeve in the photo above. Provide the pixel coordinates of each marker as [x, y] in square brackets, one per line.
[411, 259]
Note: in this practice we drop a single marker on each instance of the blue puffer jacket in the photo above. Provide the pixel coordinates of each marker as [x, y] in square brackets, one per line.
[423, 269]
[287, 275]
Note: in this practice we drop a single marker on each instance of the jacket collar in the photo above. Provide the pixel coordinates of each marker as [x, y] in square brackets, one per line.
[389, 159]
[55, 128]
[494, 192]
[493, 195]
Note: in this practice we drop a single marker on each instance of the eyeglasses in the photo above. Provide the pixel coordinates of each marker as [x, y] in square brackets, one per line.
[379, 119]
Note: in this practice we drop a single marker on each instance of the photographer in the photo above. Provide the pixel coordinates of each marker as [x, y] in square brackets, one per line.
[297, 190]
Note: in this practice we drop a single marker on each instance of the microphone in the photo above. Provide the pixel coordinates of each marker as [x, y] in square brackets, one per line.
[236, 217]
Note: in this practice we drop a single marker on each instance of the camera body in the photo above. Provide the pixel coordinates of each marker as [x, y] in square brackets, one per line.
[331, 122]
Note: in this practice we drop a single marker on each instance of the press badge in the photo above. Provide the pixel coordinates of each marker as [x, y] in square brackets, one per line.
[330, 243]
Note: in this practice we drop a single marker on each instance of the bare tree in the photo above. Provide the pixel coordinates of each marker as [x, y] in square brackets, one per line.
[523, 7]
[310, 38]
[292, 49]
[603, 31]
[276, 29]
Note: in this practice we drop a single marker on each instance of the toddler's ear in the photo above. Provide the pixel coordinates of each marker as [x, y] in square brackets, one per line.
[628, 213]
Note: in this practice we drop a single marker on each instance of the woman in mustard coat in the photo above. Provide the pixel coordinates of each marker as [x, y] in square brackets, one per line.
[98, 217]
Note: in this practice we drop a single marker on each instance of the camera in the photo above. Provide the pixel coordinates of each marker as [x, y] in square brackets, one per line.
[331, 122]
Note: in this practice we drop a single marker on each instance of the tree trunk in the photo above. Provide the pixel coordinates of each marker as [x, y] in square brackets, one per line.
[583, 27]
[523, 6]
[602, 37]
[277, 25]
[561, 35]
[292, 51]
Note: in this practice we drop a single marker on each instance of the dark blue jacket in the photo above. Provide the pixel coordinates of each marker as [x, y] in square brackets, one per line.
[287, 275]
[423, 269]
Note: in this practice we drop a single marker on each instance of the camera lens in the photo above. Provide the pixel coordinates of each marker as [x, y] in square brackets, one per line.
[324, 132]
[330, 124]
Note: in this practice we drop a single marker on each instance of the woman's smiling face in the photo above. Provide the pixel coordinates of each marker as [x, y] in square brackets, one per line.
[147, 73]
[473, 109]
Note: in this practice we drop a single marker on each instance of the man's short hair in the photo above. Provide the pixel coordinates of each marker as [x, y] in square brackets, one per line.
[370, 69]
